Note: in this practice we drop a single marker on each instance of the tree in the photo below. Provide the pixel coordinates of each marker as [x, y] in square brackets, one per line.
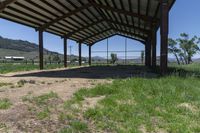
[142, 57]
[173, 49]
[113, 58]
[57, 59]
[50, 59]
[188, 46]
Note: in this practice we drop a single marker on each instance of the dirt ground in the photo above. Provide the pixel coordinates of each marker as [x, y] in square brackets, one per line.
[64, 82]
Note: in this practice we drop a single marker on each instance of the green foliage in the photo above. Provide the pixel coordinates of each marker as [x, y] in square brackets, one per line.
[113, 58]
[186, 49]
[5, 103]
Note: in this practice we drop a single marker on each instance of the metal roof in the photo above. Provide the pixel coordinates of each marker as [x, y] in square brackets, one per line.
[86, 21]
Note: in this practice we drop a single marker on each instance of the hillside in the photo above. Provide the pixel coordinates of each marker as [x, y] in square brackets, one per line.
[9, 47]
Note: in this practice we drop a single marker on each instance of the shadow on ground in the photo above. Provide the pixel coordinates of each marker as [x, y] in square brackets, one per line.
[96, 72]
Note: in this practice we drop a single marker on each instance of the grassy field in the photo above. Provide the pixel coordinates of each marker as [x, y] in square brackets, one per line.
[7, 68]
[169, 104]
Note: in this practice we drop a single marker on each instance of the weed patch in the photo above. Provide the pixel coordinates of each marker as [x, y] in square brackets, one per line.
[5, 103]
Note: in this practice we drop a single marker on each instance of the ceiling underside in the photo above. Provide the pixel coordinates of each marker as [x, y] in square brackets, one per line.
[86, 21]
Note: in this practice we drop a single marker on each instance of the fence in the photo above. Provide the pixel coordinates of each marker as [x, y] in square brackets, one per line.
[123, 57]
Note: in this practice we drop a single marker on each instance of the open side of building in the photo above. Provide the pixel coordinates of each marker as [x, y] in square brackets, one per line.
[90, 21]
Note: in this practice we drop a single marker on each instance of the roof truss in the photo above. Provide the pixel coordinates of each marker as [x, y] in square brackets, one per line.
[86, 21]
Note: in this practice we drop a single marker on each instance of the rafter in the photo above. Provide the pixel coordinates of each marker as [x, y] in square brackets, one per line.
[65, 16]
[130, 26]
[99, 40]
[6, 3]
[131, 34]
[109, 8]
[85, 27]
[94, 35]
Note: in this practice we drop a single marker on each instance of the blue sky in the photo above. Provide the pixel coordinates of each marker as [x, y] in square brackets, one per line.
[184, 17]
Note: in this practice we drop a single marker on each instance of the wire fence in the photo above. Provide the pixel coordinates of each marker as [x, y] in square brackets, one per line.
[122, 57]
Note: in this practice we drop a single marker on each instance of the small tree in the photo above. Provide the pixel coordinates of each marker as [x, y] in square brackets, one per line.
[188, 46]
[142, 57]
[173, 49]
[113, 58]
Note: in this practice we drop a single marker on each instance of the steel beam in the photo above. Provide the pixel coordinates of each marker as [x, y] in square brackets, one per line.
[41, 49]
[80, 52]
[164, 35]
[90, 55]
[154, 45]
[65, 51]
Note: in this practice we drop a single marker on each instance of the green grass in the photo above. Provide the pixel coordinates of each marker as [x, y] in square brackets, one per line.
[5, 103]
[75, 127]
[7, 68]
[40, 100]
[154, 104]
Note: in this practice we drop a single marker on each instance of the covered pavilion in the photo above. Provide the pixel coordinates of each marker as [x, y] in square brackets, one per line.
[90, 21]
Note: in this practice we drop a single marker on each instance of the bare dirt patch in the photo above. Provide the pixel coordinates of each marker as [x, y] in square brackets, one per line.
[189, 107]
[22, 117]
[91, 102]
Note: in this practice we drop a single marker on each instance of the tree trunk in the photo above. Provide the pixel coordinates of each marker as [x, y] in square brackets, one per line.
[177, 59]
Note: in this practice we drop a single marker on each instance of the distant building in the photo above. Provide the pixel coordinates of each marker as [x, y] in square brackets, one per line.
[15, 58]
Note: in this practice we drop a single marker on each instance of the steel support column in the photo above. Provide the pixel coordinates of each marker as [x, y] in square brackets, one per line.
[107, 52]
[148, 53]
[65, 51]
[164, 35]
[80, 52]
[153, 47]
[90, 55]
[41, 50]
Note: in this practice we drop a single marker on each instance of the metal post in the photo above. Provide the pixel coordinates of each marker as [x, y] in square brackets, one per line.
[125, 51]
[153, 44]
[164, 36]
[65, 51]
[80, 57]
[107, 52]
[148, 52]
[41, 50]
[90, 55]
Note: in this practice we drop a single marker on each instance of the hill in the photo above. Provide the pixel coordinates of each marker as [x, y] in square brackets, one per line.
[10, 47]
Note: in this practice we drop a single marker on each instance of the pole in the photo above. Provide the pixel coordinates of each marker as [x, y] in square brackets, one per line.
[65, 51]
[90, 55]
[107, 52]
[164, 35]
[125, 51]
[41, 49]
[80, 57]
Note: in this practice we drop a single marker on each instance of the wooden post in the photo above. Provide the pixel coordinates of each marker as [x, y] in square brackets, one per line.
[80, 57]
[90, 55]
[41, 49]
[65, 51]
[164, 35]
[153, 45]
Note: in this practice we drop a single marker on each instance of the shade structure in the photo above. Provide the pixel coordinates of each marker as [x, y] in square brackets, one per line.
[86, 21]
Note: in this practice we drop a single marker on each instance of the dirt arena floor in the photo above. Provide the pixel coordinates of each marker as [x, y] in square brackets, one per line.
[64, 82]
